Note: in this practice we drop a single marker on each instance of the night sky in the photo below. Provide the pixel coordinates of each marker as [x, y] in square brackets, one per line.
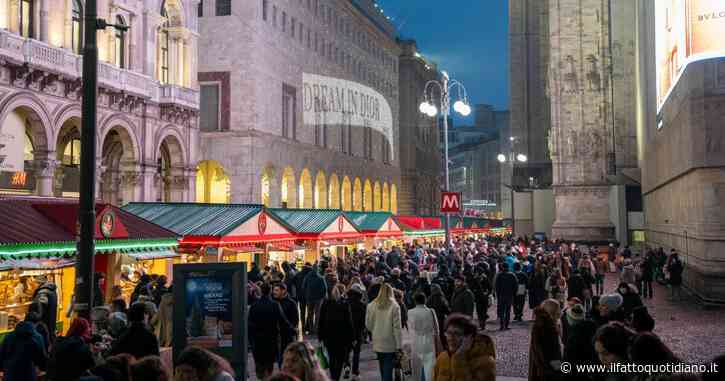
[467, 38]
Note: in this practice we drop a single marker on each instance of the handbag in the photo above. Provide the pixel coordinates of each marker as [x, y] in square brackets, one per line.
[403, 363]
[321, 354]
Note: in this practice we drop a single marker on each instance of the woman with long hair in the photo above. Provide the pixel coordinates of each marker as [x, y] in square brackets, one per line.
[384, 322]
[299, 360]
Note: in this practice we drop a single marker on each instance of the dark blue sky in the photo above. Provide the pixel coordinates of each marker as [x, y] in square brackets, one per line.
[467, 38]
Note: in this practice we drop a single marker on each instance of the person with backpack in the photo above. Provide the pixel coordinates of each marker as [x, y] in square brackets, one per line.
[22, 351]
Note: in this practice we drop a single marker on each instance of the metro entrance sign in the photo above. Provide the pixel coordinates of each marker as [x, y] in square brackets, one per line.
[450, 202]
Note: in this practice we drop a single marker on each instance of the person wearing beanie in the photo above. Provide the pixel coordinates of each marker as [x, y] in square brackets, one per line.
[610, 309]
[578, 348]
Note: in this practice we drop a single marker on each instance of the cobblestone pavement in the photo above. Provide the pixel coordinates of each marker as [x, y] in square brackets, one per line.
[692, 332]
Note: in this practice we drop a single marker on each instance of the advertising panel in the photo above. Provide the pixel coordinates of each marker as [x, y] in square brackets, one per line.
[210, 309]
[335, 101]
[686, 31]
[12, 143]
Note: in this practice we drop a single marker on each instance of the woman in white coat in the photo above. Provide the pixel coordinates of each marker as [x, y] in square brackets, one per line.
[423, 326]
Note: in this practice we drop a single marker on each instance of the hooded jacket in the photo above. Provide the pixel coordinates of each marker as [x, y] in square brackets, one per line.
[473, 361]
[47, 296]
[21, 351]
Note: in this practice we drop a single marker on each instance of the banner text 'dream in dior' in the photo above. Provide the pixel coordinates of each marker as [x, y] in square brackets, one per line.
[334, 101]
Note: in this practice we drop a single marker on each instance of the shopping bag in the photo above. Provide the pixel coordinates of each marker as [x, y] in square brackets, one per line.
[321, 354]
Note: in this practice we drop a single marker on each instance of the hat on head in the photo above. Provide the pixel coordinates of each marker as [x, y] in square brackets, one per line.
[612, 301]
[575, 313]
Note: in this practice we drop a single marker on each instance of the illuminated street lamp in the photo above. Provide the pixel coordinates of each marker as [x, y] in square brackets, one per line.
[461, 106]
[511, 158]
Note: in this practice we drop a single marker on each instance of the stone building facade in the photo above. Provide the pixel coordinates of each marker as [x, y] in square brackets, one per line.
[592, 88]
[147, 99]
[530, 105]
[683, 159]
[420, 159]
[255, 61]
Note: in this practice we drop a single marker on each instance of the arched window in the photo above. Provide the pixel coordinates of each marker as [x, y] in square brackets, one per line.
[120, 43]
[164, 47]
[77, 27]
[27, 13]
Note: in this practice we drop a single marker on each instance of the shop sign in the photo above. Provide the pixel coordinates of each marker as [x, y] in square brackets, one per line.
[12, 144]
[335, 101]
[262, 223]
[17, 180]
[108, 223]
[210, 302]
[340, 223]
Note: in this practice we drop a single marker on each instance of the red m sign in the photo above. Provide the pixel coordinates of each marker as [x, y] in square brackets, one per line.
[450, 202]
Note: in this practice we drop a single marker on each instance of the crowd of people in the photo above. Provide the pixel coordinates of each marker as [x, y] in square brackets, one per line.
[442, 296]
[439, 296]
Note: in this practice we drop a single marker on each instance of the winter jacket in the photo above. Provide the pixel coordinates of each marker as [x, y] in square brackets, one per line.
[675, 268]
[506, 286]
[138, 341]
[21, 351]
[266, 323]
[544, 347]
[578, 348]
[70, 359]
[289, 308]
[576, 286]
[463, 302]
[298, 282]
[162, 321]
[537, 289]
[385, 326]
[475, 360]
[358, 310]
[628, 275]
[47, 296]
[314, 286]
[336, 329]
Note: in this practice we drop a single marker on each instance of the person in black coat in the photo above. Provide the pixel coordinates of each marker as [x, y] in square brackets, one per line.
[336, 330]
[576, 285]
[506, 286]
[289, 307]
[481, 292]
[537, 286]
[578, 348]
[463, 302]
[138, 340]
[675, 268]
[21, 352]
[358, 310]
[520, 298]
[266, 323]
[298, 282]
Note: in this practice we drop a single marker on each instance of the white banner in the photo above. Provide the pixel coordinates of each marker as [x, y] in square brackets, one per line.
[12, 144]
[334, 101]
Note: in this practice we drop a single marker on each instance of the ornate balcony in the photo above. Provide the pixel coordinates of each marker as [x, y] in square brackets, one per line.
[179, 95]
[39, 55]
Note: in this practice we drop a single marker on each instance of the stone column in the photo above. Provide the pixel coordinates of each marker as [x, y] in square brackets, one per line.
[191, 185]
[43, 24]
[581, 118]
[44, 176]
[100, 172]
[129, 185]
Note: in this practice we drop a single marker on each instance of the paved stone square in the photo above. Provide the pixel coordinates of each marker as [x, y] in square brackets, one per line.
[694, 333]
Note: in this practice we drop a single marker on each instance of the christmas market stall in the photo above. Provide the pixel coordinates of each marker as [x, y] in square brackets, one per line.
[38, 250]
[223, 232]
[378, 228]
[420, 229]
[326, 232]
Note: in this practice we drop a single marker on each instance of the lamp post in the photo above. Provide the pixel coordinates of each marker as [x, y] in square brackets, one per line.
[512, 157]
[460, 106]
[86, 210]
